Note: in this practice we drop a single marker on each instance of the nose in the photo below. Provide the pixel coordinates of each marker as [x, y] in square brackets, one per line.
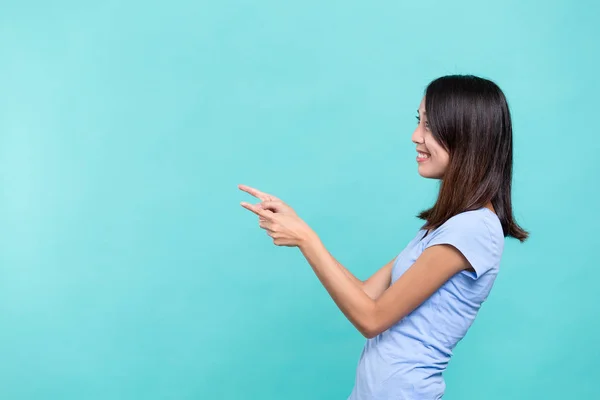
[417, 137]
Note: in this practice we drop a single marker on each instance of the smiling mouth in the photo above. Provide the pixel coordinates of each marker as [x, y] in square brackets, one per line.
[421, 157]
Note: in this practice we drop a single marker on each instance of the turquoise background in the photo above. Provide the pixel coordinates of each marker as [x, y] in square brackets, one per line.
[128, 270]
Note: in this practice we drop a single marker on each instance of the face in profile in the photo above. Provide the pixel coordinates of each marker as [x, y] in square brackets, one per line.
[432, 158]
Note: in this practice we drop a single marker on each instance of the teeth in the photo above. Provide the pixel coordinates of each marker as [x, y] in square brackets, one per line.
[423, 155]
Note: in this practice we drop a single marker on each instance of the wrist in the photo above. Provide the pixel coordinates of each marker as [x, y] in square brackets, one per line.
[309, 240]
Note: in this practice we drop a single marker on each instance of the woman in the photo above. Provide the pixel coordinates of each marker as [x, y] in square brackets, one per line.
[415, 309]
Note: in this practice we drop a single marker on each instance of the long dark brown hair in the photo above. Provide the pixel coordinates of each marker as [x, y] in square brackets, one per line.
[470, 118]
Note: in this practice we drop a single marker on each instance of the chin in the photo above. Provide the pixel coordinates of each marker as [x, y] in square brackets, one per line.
[429, 174]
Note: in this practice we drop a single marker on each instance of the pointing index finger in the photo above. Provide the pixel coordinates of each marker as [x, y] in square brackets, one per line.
[256, 193]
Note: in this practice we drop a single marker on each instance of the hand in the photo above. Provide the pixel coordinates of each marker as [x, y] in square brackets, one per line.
[279, 220]
[268, 200]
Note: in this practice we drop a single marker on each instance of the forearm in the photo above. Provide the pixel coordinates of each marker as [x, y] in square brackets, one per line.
[356, 305]
[349, 274]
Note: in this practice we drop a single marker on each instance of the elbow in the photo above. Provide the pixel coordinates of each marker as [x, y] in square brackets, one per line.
[369, 333]
[369, 329]
[373, 323]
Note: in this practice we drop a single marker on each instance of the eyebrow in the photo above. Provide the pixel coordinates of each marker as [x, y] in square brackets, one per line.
[424, 112]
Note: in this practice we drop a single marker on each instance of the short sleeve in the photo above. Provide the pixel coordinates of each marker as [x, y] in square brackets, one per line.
[476, 236]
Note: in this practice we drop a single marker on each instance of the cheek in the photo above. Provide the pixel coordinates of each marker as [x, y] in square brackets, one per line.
[444, 158]
[440, 157]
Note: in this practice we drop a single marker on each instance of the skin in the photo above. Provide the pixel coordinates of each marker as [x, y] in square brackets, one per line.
[437, 158]
[375, 304]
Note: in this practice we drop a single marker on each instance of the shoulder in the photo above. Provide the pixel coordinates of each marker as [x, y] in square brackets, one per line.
[477, 222]
[477, 234]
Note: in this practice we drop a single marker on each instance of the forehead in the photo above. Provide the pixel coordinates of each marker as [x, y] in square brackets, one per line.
[422, 105]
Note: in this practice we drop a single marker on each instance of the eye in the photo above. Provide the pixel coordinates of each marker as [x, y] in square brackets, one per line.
[419, 121]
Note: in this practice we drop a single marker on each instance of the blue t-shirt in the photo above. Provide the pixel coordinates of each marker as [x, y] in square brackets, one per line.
[407, 360]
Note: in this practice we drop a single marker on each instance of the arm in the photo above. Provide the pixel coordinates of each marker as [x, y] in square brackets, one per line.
[349, 274]
[373, 286]
[379, 281]
[376, 284]
[372, 316]
[369, 315]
